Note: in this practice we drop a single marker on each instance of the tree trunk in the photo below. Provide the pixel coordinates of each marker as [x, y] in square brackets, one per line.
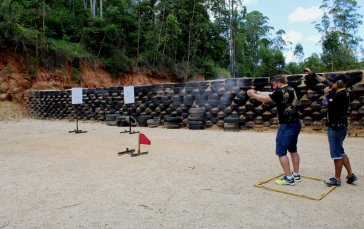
[93, 8]
[190, 33]
[85, 4]
[100, 8]
[160, 33]
[43, 20]
[138, 37]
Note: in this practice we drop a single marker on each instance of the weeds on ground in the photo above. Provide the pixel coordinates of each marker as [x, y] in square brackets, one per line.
[10, 111]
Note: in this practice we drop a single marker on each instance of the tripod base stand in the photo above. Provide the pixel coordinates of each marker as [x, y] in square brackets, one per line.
[77, 131]
[132, 153]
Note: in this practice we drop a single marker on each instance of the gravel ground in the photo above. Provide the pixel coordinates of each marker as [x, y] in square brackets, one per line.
[190, 179]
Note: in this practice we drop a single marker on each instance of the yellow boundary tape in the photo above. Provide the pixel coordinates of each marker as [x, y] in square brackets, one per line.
[259, 185]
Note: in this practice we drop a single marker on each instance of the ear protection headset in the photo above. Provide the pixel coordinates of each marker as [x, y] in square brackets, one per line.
[340, 83]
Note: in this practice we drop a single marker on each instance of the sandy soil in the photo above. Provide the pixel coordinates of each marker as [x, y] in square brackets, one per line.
[54, 179]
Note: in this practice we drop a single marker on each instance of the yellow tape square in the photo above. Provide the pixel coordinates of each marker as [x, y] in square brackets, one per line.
[260, 185]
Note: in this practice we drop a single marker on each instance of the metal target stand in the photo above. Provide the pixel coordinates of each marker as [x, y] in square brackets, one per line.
[77, 99]
[129, 98]
[77, 131]
[129, 131]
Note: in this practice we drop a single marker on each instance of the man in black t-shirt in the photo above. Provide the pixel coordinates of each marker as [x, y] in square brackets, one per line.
[336, 100]
[290, 126]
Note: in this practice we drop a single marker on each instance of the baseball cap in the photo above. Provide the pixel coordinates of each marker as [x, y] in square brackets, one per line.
[338, 77]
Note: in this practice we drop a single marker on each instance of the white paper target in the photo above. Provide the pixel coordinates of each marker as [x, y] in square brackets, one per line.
[129, 96]
[77, 95]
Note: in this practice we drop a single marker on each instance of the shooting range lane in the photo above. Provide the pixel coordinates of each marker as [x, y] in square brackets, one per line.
[201, 178]
[198, 105]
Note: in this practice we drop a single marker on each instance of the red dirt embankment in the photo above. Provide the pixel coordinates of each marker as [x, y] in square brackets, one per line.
[16, 77]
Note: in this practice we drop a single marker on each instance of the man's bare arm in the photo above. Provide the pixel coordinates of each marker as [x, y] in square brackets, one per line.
[264, 92]
[262, 98]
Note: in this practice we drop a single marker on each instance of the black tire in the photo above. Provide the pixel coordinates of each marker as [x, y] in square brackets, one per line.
[111, 123]
[304, 102]
[258, 110]
[174, 119]
[274, 121]
[275, 127]
[355, 105]
[227, 96]
[255, 101]
[261, 80]
[315, 106]
[231, 120]
[250, 124]
[214, 97]
[294, 83]
[308, 121]
[307, 112]
[228, 110]
[242, 110]
[250, 115]
[197, 115]
[294, 78]
[260, 84]
[237, 128]
[267, 124]
[358, 87]
[131, 121]
[222, 115]
[214, 120]
[195, 118]
[173, 126]
[267, 115]
[242, 95]
[196, 110]
[196, 127]
[195, 122]
[316, 126]
[361, 110]
[357, 125]
[355, 115]
[316, 115]
[208, 92]
[111, 117]
[258, 120]
[352, 75]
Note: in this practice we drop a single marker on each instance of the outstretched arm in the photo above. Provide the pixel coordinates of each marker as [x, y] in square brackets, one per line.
[318, 78]
[261, 97]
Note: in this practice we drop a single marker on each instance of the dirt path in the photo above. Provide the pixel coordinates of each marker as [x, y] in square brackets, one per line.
[52, 179]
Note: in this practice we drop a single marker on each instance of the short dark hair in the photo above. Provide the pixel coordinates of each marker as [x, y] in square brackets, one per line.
[279, 79]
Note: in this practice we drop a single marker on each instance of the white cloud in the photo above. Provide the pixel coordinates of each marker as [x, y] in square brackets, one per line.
[289, 57]
[292, 36]
[314, 38]
[301, 14]
[249, 2]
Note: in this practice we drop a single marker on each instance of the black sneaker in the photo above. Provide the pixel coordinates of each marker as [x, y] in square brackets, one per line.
[332, 182]
[351, 179]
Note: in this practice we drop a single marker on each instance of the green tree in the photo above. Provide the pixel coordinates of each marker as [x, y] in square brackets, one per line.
[298, 52]
[339, 28]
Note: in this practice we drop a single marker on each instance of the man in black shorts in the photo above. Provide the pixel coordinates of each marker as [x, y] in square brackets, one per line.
[290, 126]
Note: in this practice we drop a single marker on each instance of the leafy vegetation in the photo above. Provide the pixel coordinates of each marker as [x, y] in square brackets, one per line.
[218, 38]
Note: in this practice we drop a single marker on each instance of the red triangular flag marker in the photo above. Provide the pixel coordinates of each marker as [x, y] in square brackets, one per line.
[144, 140]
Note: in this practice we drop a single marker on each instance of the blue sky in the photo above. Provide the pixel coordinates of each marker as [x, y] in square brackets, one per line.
[295, 18]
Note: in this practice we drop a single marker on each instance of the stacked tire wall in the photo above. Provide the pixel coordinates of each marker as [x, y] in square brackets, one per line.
[196, 105]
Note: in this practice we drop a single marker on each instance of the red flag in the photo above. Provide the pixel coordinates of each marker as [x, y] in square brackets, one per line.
[144, 140]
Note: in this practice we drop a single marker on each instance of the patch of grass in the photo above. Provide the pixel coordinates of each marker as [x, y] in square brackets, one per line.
[69, 49]
[9, 69]
[223, 73]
